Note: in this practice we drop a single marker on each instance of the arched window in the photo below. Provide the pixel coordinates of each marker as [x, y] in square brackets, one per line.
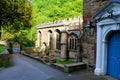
[58, 39]
[50, 39]
[72, 41]
[40, 38]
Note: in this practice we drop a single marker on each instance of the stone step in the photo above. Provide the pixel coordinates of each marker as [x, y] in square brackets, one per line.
[75, 67]
[70, 67]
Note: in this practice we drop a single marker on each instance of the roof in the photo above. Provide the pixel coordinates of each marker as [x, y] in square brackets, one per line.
[74, 33]
[51, 26]
[108, 4]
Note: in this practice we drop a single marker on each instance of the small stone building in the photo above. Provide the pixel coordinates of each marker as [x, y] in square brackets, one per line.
[61, 37]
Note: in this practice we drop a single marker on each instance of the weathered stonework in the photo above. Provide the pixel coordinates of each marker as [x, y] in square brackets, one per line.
[108, 43]
[55, 35]
[91, 7]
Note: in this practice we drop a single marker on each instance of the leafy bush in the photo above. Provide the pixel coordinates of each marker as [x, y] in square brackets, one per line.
[27, 42]
[2, 48]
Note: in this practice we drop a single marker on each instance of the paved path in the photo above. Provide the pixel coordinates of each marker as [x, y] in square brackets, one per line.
[25, 68]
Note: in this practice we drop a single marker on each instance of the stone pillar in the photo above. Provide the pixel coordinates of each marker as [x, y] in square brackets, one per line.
[98, 55]
[104, 58]
[63, 45]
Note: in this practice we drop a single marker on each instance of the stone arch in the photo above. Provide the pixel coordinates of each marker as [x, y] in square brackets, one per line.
[50, 31]
[109, 30]
[104, 47]
[74, 33]
[57, 30]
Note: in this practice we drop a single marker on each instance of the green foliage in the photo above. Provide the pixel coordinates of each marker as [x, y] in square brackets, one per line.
[64, 62]
[22, 37]
[15, 14]
[27, 37]
[50, 10]
[6, 35]
[26, 42]
[2, 48]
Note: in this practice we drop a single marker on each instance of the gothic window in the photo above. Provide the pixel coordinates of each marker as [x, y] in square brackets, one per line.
[50, 39]
[58, 39]
[75, 44]
[72, 43]
[50, 42]
[40, 36]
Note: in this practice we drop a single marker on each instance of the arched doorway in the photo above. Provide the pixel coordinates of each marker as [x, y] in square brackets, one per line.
[16, 47]
[113, 58]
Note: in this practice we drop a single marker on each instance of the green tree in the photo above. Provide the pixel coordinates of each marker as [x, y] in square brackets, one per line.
[15, 14]
[50, 10]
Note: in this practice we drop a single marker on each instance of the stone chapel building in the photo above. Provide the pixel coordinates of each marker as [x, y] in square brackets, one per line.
[61, 37]
[100, 50]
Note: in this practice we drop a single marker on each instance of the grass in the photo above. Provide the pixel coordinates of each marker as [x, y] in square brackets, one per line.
[2, 48]
[64, 62]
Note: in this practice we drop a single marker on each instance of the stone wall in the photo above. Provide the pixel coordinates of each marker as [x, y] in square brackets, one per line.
[91, 7]
[5, 60]
[89, 50]
[48, 33]
[45, 35]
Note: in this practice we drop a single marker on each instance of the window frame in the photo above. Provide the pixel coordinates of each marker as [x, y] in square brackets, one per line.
[72, 43]
[58, 40]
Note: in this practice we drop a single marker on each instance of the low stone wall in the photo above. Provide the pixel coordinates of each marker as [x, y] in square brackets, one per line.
[70, 67]
[66, 68]
[75, 67]
[5, 60]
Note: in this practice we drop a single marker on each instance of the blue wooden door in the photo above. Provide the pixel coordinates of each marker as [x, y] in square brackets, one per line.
[113, 65]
